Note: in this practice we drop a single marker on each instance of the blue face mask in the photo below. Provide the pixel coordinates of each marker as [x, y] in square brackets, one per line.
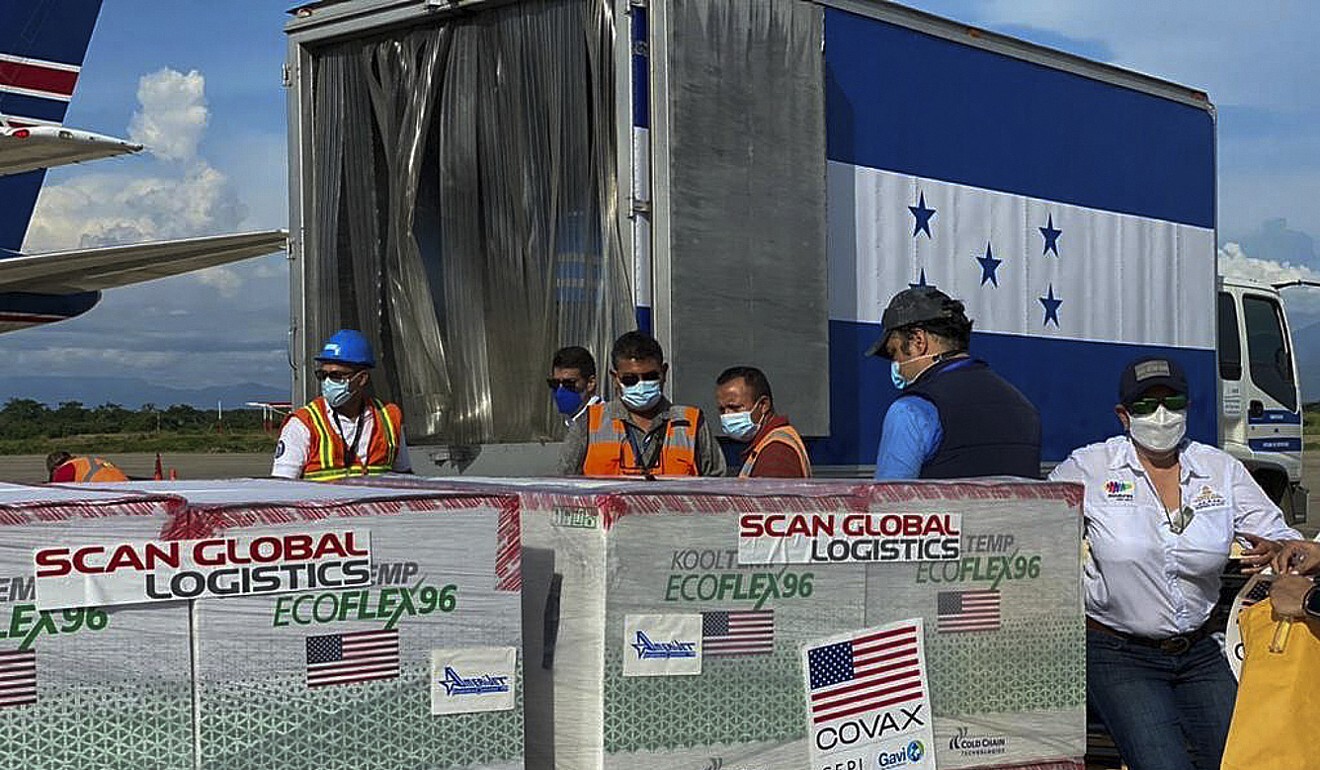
[739, 425]
[568, 401]
[336, 393]
[642, 396]
[899, 380]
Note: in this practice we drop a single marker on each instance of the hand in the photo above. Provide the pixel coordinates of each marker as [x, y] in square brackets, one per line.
[1287, 595]
[1301, 557]
[1261, 553]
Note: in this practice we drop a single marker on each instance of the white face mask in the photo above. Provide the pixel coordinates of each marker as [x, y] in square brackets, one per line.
[1159, 432]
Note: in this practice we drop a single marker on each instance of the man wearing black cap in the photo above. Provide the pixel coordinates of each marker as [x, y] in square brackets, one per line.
[954, 417]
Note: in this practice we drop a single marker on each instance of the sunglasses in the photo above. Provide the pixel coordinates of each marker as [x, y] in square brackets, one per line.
[554, 384]
[322, 375]
[1144, 406]
[629, 380]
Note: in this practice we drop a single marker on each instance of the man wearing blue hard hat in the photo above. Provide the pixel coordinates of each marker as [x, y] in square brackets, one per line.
[344, 431]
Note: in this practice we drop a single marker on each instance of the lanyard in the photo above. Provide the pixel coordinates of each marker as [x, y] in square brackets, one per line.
[351, 452]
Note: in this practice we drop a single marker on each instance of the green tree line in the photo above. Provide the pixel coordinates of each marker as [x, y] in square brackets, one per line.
[31, 427]
[24, 418]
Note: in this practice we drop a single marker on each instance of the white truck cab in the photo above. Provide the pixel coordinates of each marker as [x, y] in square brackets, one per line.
[1260, 396]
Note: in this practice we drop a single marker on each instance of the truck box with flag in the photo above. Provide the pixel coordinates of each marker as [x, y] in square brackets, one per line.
[476, 184]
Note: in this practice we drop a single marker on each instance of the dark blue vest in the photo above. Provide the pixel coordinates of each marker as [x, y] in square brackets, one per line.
[990, 428]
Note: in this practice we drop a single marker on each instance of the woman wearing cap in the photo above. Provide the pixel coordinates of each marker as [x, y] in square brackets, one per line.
[1161, 513]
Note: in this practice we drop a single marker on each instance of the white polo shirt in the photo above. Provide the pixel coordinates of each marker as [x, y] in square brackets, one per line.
[1140, 577]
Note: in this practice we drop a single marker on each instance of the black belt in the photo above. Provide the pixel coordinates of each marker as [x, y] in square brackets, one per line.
[1173, 645]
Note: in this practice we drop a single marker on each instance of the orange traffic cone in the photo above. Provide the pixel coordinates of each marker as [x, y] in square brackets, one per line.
[174, 476]
[160, 472]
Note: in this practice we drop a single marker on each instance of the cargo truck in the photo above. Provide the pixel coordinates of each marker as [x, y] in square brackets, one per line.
[475, 183]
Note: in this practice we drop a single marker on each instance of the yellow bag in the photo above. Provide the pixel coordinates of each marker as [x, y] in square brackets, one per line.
[1278, 697]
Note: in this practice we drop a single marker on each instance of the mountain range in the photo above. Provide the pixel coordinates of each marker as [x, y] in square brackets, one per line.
[133, 393]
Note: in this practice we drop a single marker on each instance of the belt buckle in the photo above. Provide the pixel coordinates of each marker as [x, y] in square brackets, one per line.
[1175, 645]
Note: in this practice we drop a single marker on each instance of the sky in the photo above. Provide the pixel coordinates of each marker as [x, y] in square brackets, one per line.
[198, 82]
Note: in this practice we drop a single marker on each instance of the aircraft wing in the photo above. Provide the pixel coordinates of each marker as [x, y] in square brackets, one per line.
[68, 272]
[28, 148]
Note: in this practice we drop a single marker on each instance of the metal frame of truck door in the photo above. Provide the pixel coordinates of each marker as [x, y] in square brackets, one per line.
[312, 25]
[661, 274]
[297, 68]
[623, 107]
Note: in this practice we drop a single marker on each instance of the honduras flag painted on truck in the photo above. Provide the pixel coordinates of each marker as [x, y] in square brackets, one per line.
[1075, 219]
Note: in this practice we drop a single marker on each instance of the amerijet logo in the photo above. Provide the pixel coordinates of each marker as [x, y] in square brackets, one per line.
[485, 684]
[649, 650]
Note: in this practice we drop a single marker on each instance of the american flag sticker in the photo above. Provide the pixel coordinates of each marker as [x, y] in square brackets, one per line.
[363, 656]
[967, 611]
[870, 671]
[18, 678]
[868, 702]
[730, 633]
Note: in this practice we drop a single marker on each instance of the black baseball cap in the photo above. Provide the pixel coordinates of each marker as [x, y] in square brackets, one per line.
[1146, 373]
[913, 306]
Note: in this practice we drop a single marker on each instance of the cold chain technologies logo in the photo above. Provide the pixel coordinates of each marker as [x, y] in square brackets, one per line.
[910, 754]
[485, 684]
[649, 650]
[977, 745]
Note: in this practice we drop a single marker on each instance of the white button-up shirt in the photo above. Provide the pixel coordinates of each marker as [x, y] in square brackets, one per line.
[1140, 577]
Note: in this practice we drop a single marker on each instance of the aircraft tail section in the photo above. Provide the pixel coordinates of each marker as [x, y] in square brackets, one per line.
[42, 46]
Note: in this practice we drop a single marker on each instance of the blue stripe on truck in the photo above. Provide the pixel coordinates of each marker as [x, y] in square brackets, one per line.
[1069, 381]
[900, 100]
[1275, 444]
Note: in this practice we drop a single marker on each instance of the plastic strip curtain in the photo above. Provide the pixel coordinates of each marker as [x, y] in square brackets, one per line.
[464, 178]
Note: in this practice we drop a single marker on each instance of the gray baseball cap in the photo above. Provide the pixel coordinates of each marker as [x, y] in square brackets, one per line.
[912, 306]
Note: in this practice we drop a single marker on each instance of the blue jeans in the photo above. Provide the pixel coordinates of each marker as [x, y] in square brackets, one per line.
[1164, 712]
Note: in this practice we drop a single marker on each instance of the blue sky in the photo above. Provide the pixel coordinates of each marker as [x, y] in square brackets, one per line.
[205, 77]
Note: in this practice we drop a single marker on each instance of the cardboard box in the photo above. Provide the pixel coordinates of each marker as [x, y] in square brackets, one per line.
[1004, 630]
[343, 676]
[107, 688]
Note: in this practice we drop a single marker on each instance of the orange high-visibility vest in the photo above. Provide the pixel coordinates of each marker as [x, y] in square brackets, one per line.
[609, 452]
[95, 469]
[325, 455]
[784, 434]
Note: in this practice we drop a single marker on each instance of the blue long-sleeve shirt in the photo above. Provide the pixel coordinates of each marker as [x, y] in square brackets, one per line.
[909, 438]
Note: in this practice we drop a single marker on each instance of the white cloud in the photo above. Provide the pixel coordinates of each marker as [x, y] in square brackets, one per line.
[223, 279]
[1303, 305]
[179, 196]
[1234, 263]
[173, 114]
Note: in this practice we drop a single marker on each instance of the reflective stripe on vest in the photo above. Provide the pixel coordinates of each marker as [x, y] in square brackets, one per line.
[96, 469]
[609, 453]
[784, 434]
[326, 459]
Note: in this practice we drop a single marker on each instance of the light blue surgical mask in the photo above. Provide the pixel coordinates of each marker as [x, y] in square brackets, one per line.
[641, 396]
[336, 393]
[739, 425]
[899, 380]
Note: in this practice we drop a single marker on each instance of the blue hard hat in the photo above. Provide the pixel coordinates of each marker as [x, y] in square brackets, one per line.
[348, 346]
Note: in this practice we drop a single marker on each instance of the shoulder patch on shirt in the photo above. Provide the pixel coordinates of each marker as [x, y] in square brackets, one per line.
[1117, 491]
[279, 449]
[1207, 498]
